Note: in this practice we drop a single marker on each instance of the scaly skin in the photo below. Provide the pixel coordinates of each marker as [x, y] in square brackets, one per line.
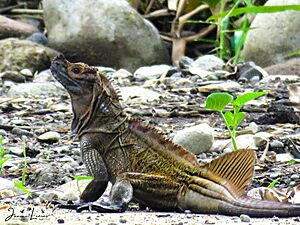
[144, 166]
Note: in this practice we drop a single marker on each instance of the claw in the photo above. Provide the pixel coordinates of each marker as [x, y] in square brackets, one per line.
[101, 207]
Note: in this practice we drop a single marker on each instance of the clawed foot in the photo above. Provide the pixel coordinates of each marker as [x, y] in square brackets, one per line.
[100, 207]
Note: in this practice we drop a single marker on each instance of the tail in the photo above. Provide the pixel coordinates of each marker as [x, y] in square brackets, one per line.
[220, 187]
[258, 208]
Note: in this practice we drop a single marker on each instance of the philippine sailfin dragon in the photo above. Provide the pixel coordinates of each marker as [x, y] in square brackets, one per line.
[146, 167]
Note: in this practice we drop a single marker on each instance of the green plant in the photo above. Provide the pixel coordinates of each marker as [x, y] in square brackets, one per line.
[272, 184]
[238, 9]
[78, 178]
[22, 185]
[2, 153]
[218, 101]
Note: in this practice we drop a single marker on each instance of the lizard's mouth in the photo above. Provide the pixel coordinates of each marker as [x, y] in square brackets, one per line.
[59, 71]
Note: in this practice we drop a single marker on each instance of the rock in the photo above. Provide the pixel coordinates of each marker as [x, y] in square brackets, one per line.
[13, 28]
[261, 138]
[295, 177]
[49, 196]
[219, 86]
[69, 196]
[200, 72]
[277, 146]
[16, 150]
[150, 72]
[35, 89]
[185, 62]
[122, 77]
[26, 73]
[208, 63]
[251, 72]
[288, 78]
[289, 67]
[284, 157]
[274, 35]
[12, 76]
[6, 184]
[245, 141]
[20, 132]
[245, 218]
[38, 38]
[44, 76]
[111, 32]
[253, 127]
[49, 137]
[138, 93]
[196, 139]
[19, 54]
[72, 190]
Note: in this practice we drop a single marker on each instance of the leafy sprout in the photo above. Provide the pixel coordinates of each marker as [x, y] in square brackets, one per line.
[219, 100]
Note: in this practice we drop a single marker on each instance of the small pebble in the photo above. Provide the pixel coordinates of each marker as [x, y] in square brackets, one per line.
[274, 175]
[295, 177]
[19, 132]
[276, 144]
[209, 221]
[49, 137]
[245, 218]
[60, 221]
[123, 220]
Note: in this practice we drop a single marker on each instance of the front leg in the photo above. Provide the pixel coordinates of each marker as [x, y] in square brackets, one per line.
[97, 168]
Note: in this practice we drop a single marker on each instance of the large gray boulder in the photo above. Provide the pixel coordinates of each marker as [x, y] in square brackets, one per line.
[274, 35]
[101, 32]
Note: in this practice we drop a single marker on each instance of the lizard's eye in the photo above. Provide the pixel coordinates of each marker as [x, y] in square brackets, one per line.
[76, 70]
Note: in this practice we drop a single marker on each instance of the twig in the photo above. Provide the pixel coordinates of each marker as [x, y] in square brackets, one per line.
[185, 17]
[157, 13]
[202, 33]
[27, 11]
[149, 6]
[8, 8]
[263, 156]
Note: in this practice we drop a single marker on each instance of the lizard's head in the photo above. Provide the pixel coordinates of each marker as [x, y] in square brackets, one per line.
[92, 94]
[77, 78]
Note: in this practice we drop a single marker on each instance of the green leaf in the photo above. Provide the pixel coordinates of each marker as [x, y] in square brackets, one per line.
[238, 118]
[229, 118]
[242, 99]
[22, 188]
[272, 184]
[256, 9]
[295, 53]
[293, 161]
[82, 177]
[217, 101]
[2, 161]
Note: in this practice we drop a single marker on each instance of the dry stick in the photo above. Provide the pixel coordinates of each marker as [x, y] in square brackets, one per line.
[27, 11]
[8, 8]
[157, 13]
[174, 28]
[149, 6]
[263, 157]
[187, 16]
[202, 33]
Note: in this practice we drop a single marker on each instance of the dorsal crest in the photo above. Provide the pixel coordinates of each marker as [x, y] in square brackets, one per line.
[106, 83]
[155, 139]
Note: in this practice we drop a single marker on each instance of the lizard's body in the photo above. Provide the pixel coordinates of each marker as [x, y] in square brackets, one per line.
[145, 166]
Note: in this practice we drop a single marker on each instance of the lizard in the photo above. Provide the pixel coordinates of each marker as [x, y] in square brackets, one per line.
[146, 167]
